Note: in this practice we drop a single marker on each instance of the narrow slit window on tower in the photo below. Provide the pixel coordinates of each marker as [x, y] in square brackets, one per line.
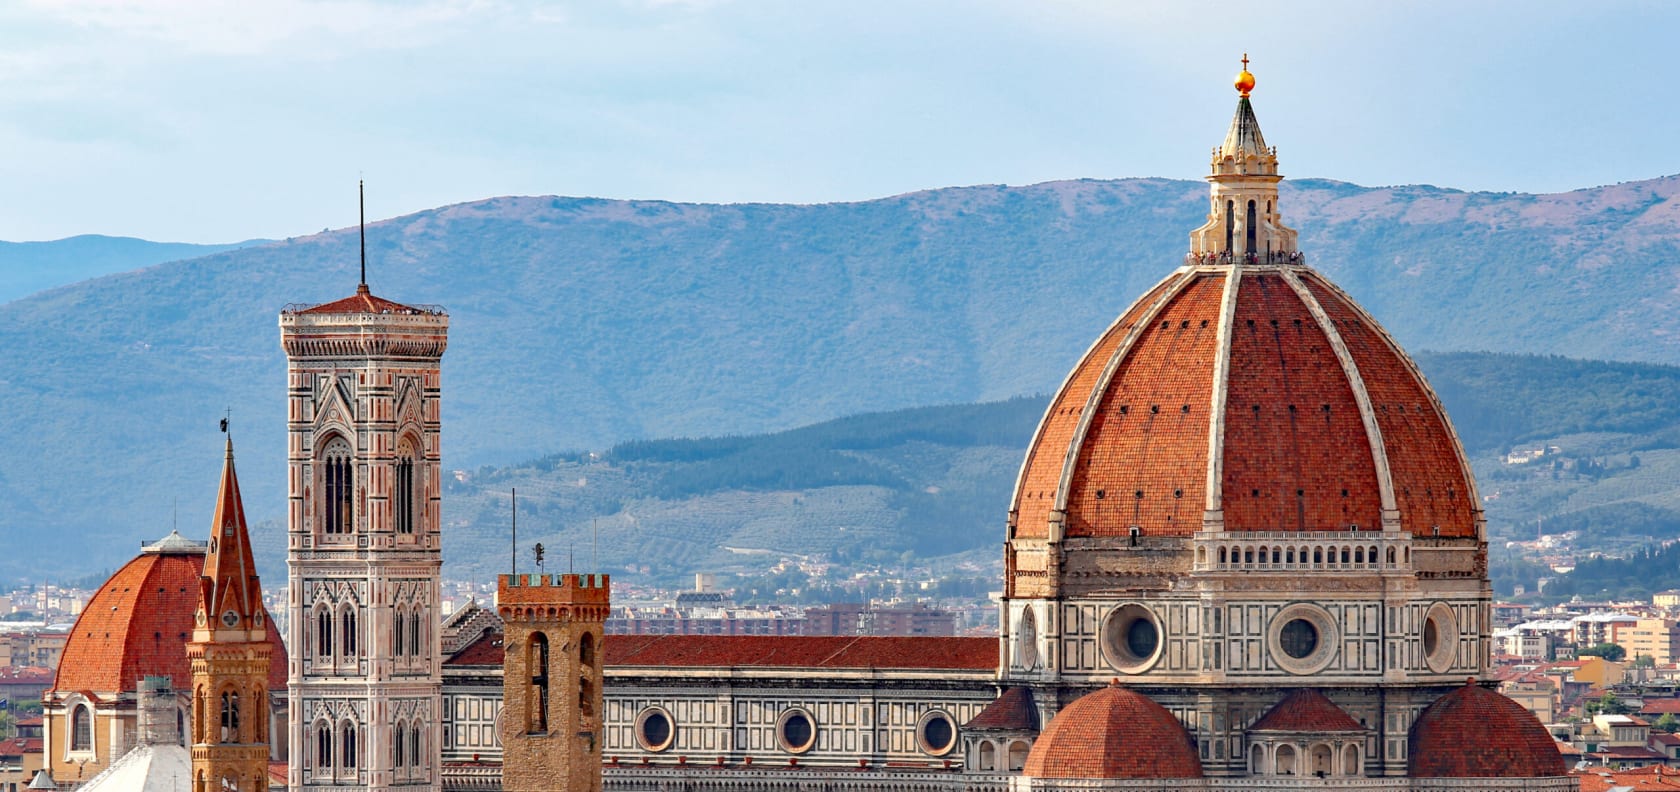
[1230, 225]
[323, 746]
[402, 507]
[347, 751]
[414, 633]
[348, 621]
[399, 758]
[323, 634]
[538, 663]
[1252, 230]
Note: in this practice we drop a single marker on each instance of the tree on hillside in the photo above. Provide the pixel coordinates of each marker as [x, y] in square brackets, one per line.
[1608, 651]
[1667, 723]
[1607, 704]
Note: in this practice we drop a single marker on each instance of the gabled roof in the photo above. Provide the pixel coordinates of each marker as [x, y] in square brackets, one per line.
[1306, 710]
[1660, 707]
[18, 746]
[1012, 711]
[803, 651]
[771, 651]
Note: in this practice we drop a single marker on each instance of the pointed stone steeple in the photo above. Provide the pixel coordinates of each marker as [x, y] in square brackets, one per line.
[230, 595]
[229, 654]
[1243, 223]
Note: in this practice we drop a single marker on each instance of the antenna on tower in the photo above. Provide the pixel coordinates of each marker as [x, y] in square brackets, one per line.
[361, 206]
[515, 491]
[595, 544]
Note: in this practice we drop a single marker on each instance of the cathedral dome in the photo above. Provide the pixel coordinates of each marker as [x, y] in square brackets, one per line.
[1247, 399]
[1244, 392]
[1114, 733]
[138, 624]
[1474, 732]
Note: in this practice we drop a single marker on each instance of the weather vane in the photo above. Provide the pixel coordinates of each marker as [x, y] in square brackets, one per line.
[226, 417]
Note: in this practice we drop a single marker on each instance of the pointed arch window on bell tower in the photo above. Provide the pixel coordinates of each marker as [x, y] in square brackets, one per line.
[230, 717]
[339, 486]
[402, 497]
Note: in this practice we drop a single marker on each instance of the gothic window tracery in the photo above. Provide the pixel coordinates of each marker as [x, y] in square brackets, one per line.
[230, 717]
[338, 485]
[323, 746]
[347, 746]
[348, 623]
[403, 491]
[323, 635]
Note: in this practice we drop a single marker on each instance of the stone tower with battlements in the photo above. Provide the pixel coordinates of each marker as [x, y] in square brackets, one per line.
[229, 654]
[363, 543]
[551, 681]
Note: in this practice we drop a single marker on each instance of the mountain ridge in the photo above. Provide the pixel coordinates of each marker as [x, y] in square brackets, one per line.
[577, 323]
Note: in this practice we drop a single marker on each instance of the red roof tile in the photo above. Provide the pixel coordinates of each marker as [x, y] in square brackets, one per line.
[1012, 711]
[1474, 732]
[138, 624]
[1660, 707]
[1295, 453]
[1306, 710]
[18, 746]
[1114, 733]
[785, 651]
[362, 301]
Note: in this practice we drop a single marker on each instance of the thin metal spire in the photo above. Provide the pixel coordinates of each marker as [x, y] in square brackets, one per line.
[515, 491]
[361, 201]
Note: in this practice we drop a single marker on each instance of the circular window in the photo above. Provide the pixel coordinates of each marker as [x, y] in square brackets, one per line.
[1132, 638]
[936, 734]
[1026, 639]
[654, 729]
[1299, 638]
[1440, 637]
[795, 731]
[1302, 638]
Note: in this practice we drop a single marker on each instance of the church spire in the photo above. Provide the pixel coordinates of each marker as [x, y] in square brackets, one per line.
[230, 596]
[1243, 223]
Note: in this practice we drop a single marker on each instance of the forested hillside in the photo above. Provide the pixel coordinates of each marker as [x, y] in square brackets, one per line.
[582, 323]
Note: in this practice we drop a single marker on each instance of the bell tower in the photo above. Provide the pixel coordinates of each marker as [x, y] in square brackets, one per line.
[363, 543]
[229, 656]
[551, 681]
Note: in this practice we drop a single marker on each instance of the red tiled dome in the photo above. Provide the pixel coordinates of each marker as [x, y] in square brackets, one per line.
[1474, 732]
[1114, 733]
[1305, 385]
[139, 622]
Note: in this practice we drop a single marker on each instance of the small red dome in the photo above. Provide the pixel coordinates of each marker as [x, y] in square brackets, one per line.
[1474, 732]
[139, 622]
[1114, 733]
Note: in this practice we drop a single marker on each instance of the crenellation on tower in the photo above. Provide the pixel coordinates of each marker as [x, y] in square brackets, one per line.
[552, 679]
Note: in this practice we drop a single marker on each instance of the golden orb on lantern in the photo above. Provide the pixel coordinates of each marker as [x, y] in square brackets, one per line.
[1245, 78]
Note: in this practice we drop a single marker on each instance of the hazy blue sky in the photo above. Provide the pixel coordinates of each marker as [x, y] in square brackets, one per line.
[215, 120]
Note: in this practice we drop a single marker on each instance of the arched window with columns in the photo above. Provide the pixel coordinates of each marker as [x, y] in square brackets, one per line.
[338, 485]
